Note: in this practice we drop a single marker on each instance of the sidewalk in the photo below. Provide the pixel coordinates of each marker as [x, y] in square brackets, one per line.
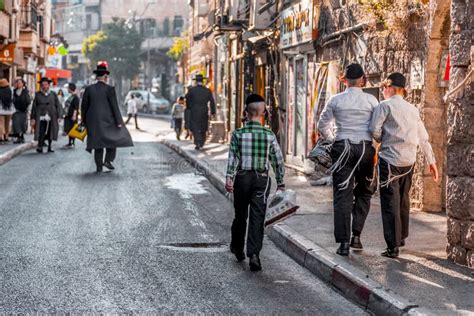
[10, 151]
[421, 276]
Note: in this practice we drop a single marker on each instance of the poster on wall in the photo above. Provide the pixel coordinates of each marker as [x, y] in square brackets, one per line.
[417, 75]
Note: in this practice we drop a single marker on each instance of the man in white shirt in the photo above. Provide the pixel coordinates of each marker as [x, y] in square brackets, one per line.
[398, 126]
[353, 156]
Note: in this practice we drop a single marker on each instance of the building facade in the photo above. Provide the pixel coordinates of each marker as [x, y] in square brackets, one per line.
[293, 53]
[25, 31]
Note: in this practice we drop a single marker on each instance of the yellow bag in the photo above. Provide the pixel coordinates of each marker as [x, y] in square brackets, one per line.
[79, 131]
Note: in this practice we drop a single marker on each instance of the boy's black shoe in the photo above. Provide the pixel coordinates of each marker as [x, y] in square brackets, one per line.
[343, 249]
[355, 243]
[39, 150]
[254, 263]
[391, 252]
[50, 150]
[239, 255]
[109, 165]
[402, 243]
[99, 169]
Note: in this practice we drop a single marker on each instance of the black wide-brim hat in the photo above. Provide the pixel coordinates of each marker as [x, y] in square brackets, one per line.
[45, 79]
[101, 71]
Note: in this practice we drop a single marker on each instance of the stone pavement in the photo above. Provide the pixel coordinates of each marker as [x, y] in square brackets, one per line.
[421, 276]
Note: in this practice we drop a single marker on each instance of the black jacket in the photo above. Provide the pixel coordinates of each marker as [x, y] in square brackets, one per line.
[101, 116]
[22, 101]
[47, 104]
[197, 100]
[6, 98]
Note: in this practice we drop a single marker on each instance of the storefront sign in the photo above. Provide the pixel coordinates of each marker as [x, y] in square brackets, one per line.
[31, 64]
[299, 24]
[7, 54]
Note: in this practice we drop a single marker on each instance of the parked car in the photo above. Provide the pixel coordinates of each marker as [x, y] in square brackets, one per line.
[147, 102]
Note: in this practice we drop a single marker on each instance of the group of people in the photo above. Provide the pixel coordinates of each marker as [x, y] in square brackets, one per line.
[192, 110]
[366, 136]
[14, 105]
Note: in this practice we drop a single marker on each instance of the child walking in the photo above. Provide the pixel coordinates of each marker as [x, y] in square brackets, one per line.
[177, 114]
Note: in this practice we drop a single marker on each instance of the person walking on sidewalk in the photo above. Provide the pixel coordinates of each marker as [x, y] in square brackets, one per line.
[72, 113]
[21, 101]
[253, 149]
[352, 155]
[132, 110]
[197, 100]
[101, 116]
[398, 126]
[6, 110]
[45, 114]
[177, 113]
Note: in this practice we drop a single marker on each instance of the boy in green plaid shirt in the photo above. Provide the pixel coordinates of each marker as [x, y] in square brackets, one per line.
[253, 149]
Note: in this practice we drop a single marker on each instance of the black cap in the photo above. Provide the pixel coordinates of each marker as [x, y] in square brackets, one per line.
[254, 98]
[354, 71]
[72, 86]
[397, 80]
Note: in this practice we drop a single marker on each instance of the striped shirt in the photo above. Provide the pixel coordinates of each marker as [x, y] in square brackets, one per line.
[255, 147]
[350, 111]
[398, 126]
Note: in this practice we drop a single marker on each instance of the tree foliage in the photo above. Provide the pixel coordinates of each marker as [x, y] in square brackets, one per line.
[179, 47]
[117, 44]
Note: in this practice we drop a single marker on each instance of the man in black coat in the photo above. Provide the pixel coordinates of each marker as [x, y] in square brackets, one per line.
[197, 100]
[102, 118]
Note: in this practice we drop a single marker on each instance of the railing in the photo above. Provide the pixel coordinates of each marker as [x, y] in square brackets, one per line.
[29, 15]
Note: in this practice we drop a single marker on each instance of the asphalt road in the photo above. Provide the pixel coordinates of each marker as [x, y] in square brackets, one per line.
[150, 237]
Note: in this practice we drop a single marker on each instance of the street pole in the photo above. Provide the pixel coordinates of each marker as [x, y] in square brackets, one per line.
[148, 70]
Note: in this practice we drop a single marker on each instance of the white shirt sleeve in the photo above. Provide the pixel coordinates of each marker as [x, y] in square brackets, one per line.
[378, 118]
[326, 121]
[425, 143]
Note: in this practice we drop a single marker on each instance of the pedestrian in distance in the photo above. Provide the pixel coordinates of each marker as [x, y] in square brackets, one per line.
[101, 116]
[198, 100]
[187, 123]
[352, 154]
[45, 115]
[61, 98]
[6, 110]
[72, 113]
[177, 114]
[253, 149]
[21, 101]
[132, 110]
[398, 126]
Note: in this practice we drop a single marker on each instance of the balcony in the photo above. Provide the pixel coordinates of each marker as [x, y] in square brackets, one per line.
[29, 41]
[4, 25]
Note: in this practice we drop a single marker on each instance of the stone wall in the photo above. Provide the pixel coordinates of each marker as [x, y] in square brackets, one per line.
[460, 151]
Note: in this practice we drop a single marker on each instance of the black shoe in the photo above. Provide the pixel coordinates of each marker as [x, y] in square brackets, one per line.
[239, 255]
[197, 148]
[402, 243]
[109, 165]
[391, 252]
[50, 150]
[355, 243]
[254, 263]
[69, 146]
[39, 150]
[99, 169]
[343, 249]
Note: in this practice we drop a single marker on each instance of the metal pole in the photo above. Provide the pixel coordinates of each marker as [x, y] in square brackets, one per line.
[148, 71]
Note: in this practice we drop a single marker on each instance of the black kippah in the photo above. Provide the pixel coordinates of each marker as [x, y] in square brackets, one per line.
[254, 98]
[354, 71]
[72, 86]
[397, 80]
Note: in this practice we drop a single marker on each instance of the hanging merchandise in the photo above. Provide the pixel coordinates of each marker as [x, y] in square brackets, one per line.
[52, 50]
[63, 51]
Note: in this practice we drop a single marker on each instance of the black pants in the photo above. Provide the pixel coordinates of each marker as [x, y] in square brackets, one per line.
[355, 199]
[110, 154]
[395, 202]
[251, 191]
[44, 134]
[178, 126]
[130, 117]
[199, 137]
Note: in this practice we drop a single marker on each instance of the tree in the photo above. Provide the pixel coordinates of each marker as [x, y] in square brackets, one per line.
[180, 45]
[117, 44]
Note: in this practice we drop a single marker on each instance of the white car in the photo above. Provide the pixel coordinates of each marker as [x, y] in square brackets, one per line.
[147, 102]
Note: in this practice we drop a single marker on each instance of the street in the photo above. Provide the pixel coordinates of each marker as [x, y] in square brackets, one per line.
[150, 237]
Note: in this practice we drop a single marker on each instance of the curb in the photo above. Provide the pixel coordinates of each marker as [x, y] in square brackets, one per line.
[350, 281]
[12, 153]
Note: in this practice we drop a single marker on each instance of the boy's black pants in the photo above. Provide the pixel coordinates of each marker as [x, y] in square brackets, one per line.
[395, 202]
[352, 203]
[44, 134]
[251, 191]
